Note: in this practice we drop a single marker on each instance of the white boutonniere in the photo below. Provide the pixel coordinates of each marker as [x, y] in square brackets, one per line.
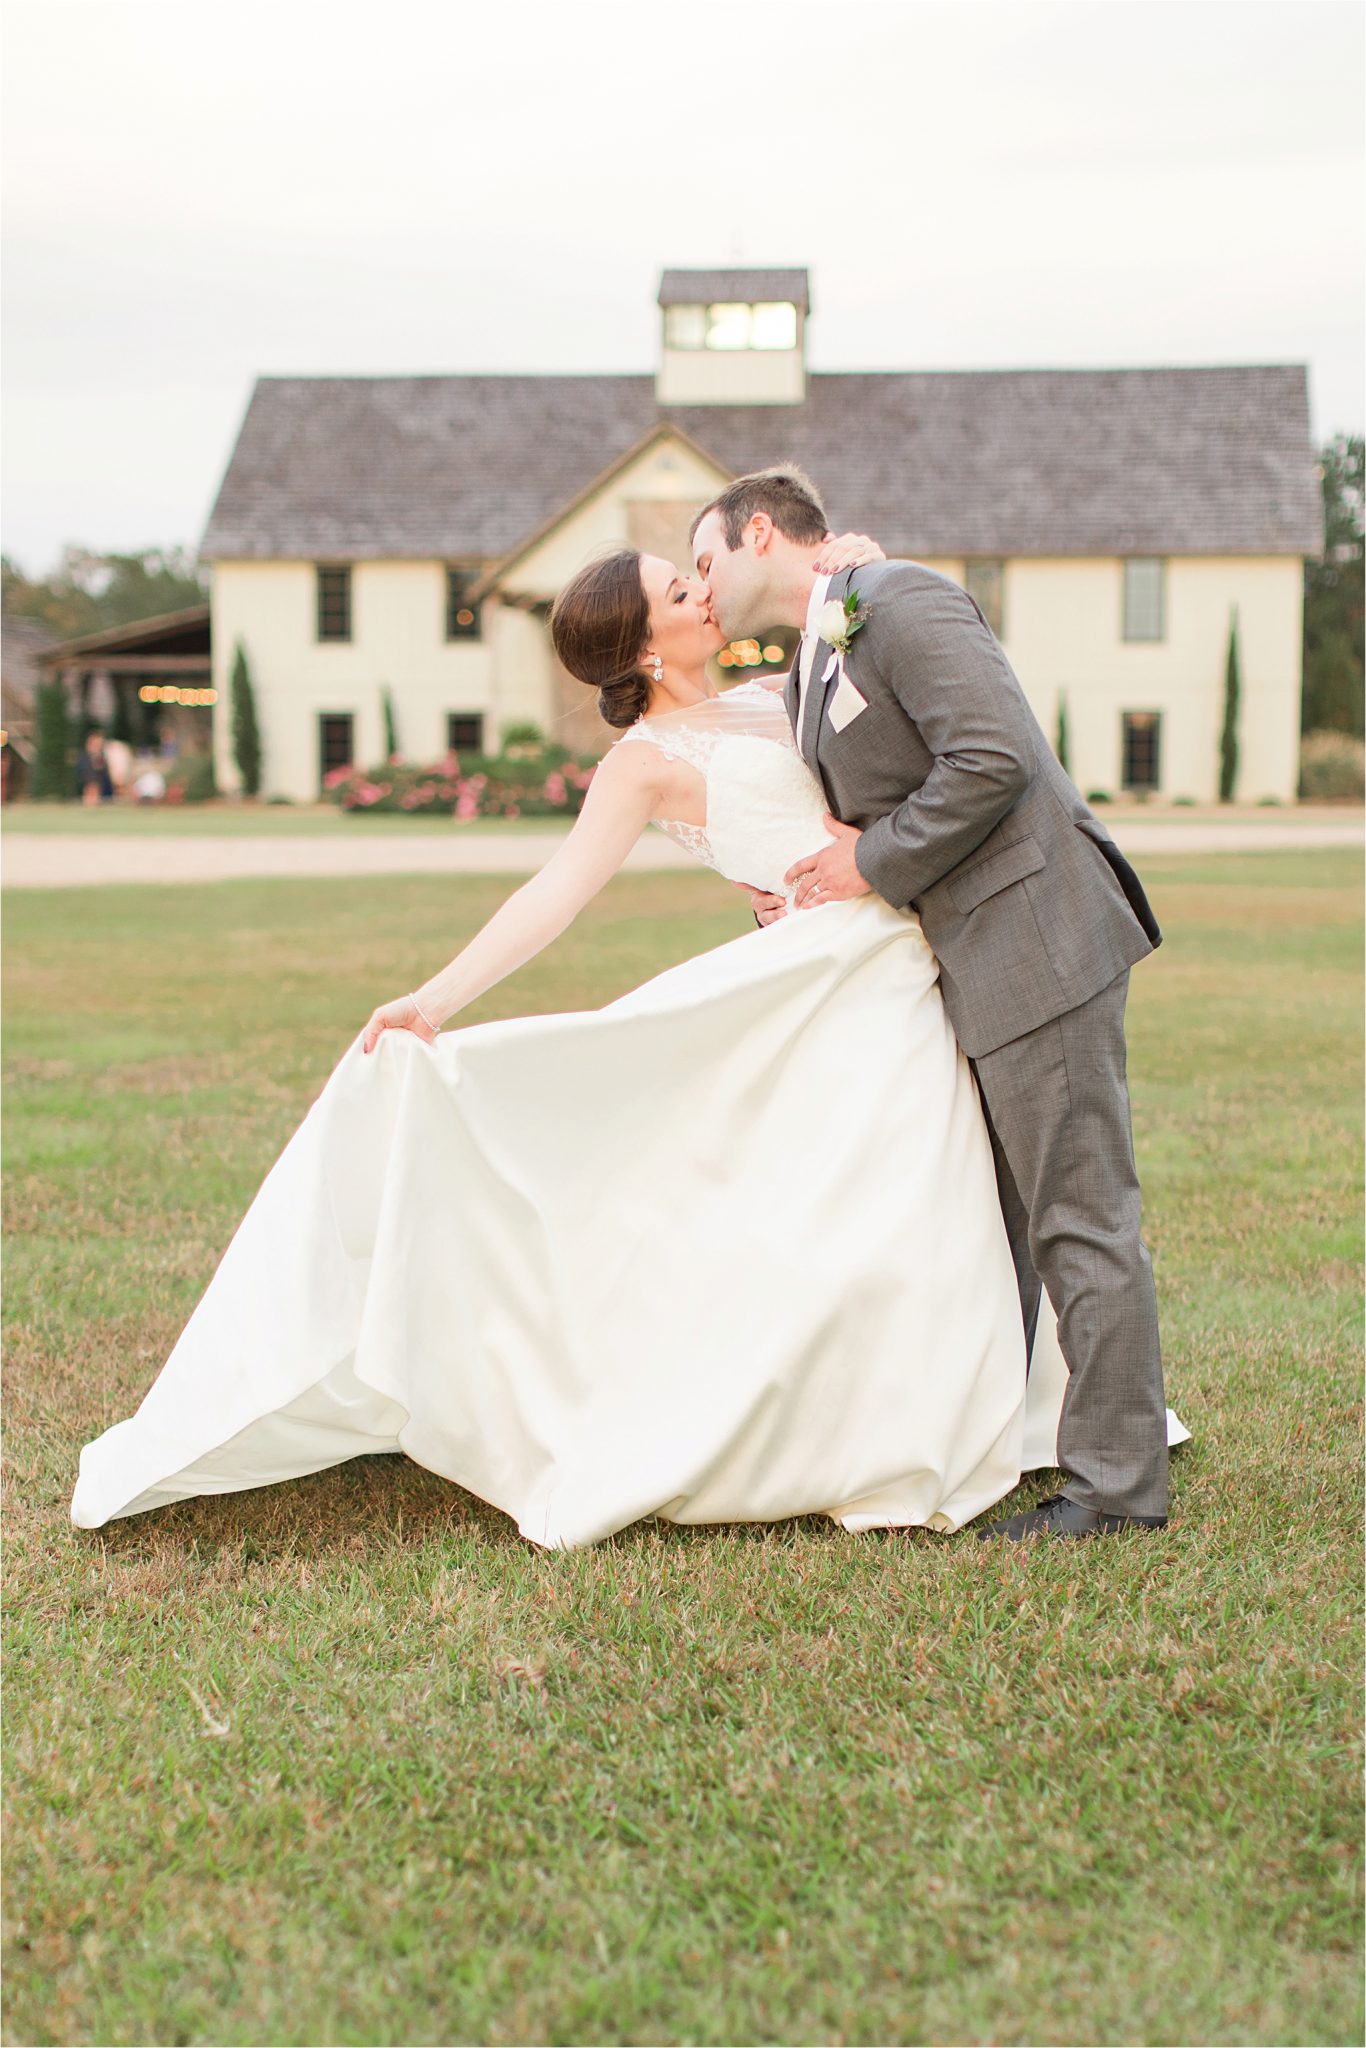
[840, 619]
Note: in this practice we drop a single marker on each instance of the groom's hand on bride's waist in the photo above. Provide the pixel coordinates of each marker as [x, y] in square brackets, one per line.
[766, 906]
[830, 876]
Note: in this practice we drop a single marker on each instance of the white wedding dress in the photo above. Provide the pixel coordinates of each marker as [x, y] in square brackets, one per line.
[727, 1249]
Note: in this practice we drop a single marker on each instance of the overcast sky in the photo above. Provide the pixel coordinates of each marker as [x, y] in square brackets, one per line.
[197, 195]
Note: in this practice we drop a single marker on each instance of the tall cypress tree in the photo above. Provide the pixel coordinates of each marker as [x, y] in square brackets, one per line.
[1228, 739]
[386, 698]
[246, 736]
[53, 761]
[1062, 742]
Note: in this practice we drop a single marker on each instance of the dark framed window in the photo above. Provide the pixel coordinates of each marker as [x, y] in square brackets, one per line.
[465, 732]
[1142, 749]
[336, 741]
[1145, 598]
[334, 601]
[463, 618]
[985, 582]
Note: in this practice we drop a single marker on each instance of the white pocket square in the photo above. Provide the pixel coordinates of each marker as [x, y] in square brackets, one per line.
[846, 703]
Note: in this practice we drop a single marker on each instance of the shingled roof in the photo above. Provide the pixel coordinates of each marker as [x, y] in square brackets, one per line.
[933, 463]
[735, 288]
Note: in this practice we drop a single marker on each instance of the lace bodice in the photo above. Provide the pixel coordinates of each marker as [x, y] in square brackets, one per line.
[764, 808]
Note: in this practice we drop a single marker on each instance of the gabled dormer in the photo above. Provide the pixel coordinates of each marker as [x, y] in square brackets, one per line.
[733, 337]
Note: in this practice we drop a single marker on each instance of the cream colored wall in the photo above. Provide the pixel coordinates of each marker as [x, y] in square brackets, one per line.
[398, 624]
[522, 662]
[719, 376]
[668, 470]
[1063, 632]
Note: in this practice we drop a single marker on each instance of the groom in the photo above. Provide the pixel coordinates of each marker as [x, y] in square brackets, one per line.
[946, 798]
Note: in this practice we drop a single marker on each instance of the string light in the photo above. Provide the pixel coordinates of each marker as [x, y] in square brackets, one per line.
[169, 693]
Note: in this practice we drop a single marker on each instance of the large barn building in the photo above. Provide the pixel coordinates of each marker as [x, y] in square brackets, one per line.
[413, 532]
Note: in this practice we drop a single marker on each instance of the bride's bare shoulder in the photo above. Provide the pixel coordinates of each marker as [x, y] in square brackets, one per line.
[630, 767]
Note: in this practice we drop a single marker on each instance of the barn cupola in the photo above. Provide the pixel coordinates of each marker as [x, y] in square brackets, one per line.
[733, 337]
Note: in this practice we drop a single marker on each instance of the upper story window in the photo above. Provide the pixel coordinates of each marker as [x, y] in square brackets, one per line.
[334, 602]
[463, 621]
[1145, 598]
[984, 582]
[726, 326]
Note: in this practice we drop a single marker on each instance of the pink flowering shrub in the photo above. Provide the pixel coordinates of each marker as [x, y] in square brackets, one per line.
[550, 784]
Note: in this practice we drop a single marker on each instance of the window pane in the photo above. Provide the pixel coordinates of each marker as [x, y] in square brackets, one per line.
[685, 327]
[728, 327]
[334, 604]
[984, 582]
[335, 748]
[1142, 749]
[1144, 606]
[463, 621]
[774, 326]
[465, 732]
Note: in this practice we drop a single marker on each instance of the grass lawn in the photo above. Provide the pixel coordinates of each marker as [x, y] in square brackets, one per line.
[347, 1761]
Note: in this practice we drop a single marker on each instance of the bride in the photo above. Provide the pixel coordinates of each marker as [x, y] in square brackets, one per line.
[727, 1249]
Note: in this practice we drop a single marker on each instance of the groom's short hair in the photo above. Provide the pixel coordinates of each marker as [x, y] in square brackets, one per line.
[788, 496]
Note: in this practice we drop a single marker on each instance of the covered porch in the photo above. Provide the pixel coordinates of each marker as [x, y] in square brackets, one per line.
[149, 684]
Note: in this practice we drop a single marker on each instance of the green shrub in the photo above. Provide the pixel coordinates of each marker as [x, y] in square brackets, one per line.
[193, 782]
[523, 738]
[1098, 796]
[1332, 767]
[54, 761]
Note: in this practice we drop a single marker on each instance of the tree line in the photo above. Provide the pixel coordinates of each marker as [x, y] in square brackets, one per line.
[92, 593]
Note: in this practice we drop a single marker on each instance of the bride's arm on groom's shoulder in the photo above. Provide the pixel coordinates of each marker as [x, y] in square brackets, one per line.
[935, 652]
[619, 803]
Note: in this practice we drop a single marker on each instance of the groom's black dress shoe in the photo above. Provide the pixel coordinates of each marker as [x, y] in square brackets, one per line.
[1059, 1516]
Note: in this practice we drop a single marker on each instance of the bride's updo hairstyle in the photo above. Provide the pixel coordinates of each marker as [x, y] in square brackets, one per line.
[599, 627]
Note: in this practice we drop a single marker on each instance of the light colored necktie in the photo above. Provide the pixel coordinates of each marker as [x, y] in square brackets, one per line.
[806, 661]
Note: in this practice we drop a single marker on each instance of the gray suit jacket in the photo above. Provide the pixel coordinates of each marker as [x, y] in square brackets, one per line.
[966, 816]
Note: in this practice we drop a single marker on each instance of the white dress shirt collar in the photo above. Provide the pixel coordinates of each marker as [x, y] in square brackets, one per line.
[810, 637]
[819, 591]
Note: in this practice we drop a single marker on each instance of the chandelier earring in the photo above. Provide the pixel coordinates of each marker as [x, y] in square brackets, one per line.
[657, 666]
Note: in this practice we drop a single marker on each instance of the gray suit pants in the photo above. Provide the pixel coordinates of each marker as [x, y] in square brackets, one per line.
[1057, 1102]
